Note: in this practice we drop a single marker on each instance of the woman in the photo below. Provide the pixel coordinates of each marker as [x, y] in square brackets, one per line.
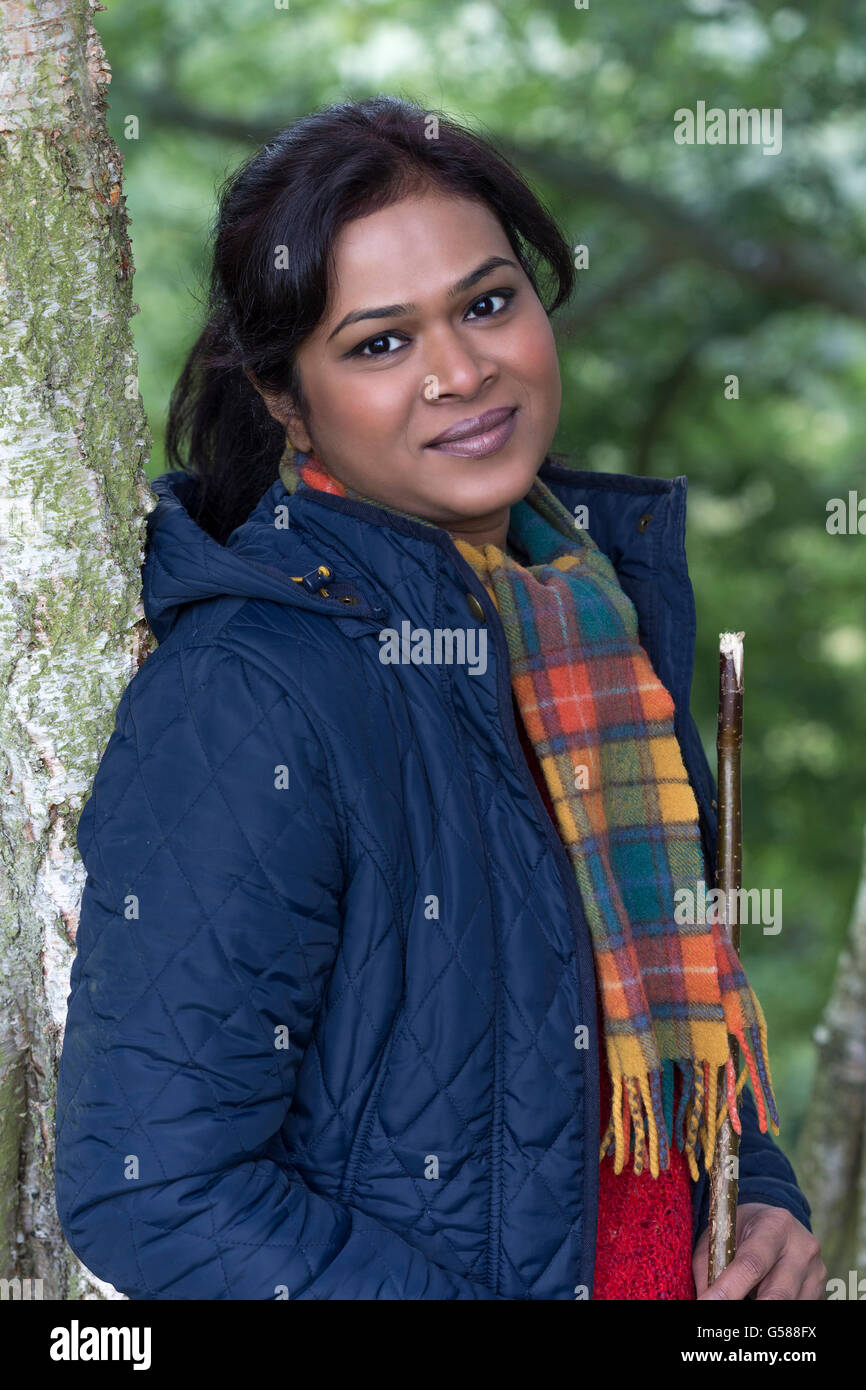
[377, 951]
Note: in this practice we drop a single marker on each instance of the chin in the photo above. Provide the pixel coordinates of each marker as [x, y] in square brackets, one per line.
[487, 486]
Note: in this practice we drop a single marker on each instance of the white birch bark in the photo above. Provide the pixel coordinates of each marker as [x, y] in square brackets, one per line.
[73, 502]
[831, 1155]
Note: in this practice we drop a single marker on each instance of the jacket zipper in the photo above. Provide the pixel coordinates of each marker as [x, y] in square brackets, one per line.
[580, 928]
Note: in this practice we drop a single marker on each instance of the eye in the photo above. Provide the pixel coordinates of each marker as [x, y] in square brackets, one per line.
[506, 295]
[361, 350]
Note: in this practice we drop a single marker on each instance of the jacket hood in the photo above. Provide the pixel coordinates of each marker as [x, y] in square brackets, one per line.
[184, 565]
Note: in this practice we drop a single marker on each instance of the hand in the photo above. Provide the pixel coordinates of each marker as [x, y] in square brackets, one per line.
[776, 1256]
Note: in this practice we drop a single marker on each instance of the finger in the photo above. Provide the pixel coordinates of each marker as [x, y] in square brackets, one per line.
[752, 1262]
[814, 1286]
[797, 1273]
[782, 1284]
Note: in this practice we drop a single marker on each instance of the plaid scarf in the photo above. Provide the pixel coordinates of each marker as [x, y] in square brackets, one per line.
[602, 725]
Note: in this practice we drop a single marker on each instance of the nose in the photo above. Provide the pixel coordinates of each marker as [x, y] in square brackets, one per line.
[454, 366]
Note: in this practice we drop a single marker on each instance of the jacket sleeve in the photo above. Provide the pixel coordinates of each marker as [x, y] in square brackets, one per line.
[210, 921]
[765, 1174]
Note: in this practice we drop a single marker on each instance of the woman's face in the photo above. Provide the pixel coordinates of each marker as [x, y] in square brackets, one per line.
[422, 353]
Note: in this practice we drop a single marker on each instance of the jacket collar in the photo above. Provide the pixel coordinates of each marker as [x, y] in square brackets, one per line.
[639, 523]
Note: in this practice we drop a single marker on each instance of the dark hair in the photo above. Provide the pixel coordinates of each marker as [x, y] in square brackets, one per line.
[297, 192]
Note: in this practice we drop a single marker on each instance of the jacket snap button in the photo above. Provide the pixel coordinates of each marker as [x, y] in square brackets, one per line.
[475, 607]
[644, 521]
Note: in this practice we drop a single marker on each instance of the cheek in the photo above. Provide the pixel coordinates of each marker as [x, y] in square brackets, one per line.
[370, 404]
[533, 354]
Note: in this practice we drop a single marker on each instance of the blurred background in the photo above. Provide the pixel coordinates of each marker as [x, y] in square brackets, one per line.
[704, 261]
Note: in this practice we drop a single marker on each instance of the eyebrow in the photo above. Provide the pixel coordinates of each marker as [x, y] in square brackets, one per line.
[389, 311]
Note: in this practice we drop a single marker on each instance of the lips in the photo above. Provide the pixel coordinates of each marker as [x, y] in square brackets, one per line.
[477, 424]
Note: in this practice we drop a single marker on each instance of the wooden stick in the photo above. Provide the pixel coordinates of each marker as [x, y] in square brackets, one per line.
[729, 743]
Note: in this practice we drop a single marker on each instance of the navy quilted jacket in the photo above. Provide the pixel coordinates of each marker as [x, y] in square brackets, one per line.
[331, 954]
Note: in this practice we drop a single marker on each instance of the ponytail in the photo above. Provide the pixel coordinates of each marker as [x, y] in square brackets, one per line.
[220, 430]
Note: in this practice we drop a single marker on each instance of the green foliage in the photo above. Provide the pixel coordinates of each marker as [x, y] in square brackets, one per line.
[704, 261]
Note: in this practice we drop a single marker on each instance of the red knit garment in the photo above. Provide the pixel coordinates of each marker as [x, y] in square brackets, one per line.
[644, 1242]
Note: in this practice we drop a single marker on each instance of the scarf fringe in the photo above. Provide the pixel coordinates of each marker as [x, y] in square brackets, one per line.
[637, 1115]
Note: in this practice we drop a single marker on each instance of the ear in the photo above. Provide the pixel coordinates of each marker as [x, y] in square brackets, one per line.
[279, 405]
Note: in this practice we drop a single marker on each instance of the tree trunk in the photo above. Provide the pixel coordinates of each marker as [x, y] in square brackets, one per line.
[831, 1154]
[73, 502]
